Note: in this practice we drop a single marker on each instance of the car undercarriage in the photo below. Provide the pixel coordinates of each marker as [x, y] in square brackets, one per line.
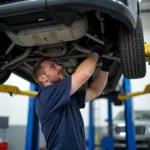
[67, 34]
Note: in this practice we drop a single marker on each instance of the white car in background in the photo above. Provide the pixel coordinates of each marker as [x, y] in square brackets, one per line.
[142, 130]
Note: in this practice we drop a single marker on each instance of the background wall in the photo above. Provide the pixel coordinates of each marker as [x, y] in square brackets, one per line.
[16, 107]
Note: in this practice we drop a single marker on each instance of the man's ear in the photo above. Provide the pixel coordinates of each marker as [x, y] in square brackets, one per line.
[42, 78]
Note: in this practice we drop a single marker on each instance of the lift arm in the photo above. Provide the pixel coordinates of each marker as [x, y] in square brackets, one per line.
[16, 90]
[146, 91]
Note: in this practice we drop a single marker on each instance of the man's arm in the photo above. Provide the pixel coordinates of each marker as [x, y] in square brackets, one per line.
[97, 86]
[83, 72]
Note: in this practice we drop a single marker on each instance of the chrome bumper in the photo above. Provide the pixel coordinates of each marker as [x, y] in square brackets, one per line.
[143, 146]
[142, 141]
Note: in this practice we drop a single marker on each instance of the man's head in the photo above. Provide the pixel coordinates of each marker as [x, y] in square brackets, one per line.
[47, 72]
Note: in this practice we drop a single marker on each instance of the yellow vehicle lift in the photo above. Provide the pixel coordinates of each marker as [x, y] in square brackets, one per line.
[129, 95]
[15, 90]
[147, 52]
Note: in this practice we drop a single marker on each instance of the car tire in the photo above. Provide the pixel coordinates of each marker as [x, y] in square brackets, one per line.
[132, 51]
[4, 76]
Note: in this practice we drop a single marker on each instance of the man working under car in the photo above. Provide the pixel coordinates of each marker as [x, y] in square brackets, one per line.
[58, 101]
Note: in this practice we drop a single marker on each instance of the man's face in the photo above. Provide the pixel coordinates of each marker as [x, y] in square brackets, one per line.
[53, 72]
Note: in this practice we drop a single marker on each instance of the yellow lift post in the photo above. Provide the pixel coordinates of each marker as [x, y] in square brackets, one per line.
[147, 52]
[15, 90]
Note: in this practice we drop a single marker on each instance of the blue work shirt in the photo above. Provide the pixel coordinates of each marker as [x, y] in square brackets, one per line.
[61, 121]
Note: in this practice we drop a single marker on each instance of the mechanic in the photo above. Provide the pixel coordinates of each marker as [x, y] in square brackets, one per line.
[58, 101]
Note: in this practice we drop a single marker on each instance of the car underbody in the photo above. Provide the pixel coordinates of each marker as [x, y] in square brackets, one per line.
[67, 34]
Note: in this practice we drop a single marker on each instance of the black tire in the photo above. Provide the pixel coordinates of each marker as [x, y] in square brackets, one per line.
[131, 46]
[4, 76]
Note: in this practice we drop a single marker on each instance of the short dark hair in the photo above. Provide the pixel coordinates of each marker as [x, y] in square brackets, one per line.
[38, 70]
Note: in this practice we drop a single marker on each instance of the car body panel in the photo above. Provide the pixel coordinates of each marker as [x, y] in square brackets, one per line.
[125, 11]
[122, 10]
[21, 7]
[142, 122]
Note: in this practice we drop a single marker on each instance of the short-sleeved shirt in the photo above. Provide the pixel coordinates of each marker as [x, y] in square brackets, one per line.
[61, 121]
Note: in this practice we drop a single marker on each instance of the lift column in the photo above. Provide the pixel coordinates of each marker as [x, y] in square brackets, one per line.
[110, 124]
[32, 130]
[108, 141]
[91, 127]
[130, 129]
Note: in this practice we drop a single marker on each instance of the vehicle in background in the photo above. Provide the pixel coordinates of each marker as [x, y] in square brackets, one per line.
[142, 130]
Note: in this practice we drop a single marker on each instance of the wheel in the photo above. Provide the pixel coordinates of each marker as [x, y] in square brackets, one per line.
[132, 52]
[4, 76]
